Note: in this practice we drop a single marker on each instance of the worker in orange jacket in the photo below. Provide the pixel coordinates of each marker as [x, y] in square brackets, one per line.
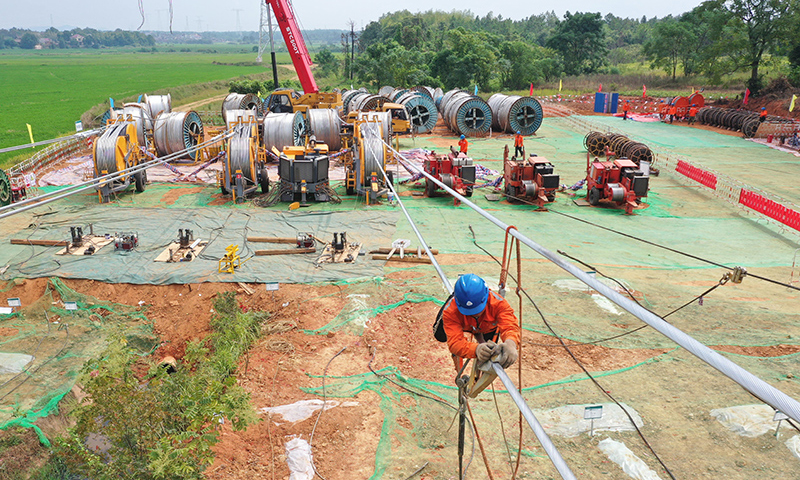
[763, 115]
[474, 318]
[519, 150]
[692, 113]
[626, 107]
[462, 144]
[673, 112]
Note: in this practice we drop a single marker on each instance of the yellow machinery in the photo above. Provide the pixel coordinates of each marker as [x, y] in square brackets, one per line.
[230, 260]
[115, 151]
[401, 125]
[369, 152]
[244, 169]
[304, 172]
[288, 101]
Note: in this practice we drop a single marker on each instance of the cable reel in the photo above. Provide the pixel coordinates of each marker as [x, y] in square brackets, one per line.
[117, 150]
[243, 173]
[5, 189]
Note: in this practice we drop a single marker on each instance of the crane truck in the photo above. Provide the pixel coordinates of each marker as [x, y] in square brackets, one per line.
[287, 100]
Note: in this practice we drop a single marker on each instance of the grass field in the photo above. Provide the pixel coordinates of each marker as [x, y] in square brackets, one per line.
[51, 89]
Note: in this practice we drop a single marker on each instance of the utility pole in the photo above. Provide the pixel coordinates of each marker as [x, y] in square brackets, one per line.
[352, 47]
[265, 28]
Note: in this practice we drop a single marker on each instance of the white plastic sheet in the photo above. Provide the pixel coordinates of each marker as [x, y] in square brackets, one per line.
[299, 411]
[13, 362]
[568, 421]
[298, 458]
[632, 465]
[746, 420]
[793, 444]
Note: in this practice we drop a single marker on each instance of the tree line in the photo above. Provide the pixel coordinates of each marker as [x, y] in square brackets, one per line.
[459, 50]
[75, 38]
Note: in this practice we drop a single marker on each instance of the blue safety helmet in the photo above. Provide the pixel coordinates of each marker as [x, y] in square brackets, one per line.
[463, 137]
[519, 133]
[763, 108]
[471, 294]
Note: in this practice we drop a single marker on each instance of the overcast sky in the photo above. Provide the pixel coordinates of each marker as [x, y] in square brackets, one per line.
[221, 15]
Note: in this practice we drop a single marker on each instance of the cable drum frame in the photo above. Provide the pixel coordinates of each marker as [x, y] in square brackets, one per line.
[514, 113]
[178, 131]
[283, 129]
[114, 151]
[242, 157]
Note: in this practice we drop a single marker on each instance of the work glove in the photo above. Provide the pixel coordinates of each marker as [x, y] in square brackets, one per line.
[485, 351]
[507, 353]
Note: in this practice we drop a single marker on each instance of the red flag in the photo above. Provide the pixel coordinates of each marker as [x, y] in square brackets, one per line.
[644, 90]
[600, 88]
[746, 95]
[531, 94]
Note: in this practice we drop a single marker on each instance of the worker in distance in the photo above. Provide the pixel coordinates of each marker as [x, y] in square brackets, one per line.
[478, 323]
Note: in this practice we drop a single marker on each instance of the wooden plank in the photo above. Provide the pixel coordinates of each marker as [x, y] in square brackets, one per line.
[246, 288]
[284, 251]
[272, 240]
[407, 259]
[96, 240]
[44, 243]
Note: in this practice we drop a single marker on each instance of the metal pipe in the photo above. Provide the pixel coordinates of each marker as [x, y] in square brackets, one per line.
[422, 241]
[86, 133]
[759, 388]
[538, 430]
[95, 182]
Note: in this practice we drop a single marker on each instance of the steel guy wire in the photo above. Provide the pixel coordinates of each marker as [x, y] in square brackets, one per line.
[755, 385]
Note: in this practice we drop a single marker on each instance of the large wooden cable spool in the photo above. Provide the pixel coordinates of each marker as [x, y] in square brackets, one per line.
[466, 114]
[595, 143]
[158, 104]
[422, 112]
[513, 113]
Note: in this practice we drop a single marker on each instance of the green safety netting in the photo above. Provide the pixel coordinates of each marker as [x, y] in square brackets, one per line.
[56, 343]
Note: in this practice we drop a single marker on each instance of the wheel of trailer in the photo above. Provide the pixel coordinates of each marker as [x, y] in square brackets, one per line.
[469, 191]
[551, 198]
[140, 178]
[264, 180]
[351, 190]
[430, 188]
[594, 196]
[5, 189]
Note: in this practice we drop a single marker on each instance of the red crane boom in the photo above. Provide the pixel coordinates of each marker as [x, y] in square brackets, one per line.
[294, 43]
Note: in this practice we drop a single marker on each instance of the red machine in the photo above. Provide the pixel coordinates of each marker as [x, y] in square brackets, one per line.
[454, 170]
[532, 178]
[295, 43]
[619, 181]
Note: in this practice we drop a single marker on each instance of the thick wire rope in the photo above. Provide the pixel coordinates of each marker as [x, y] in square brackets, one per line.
[552, 452]
[582, 367]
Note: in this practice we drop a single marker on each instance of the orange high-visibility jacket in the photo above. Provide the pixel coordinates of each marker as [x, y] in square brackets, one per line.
[463, 145]
[517, 140]
[693, 111]
[763, 113]
[498, 315]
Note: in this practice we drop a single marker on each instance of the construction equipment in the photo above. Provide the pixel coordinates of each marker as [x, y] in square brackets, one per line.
[116, 150]
[184, 249]
[455, 170]
[339, 250]
[243, 172]
[368, 159]
[530, 178]
[126, 241]
[282, 99]
[304, 242]
[619, 181]
[304, 172]
[230, 261]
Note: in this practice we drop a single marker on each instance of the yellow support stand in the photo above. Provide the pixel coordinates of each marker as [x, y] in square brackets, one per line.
[230, 260]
